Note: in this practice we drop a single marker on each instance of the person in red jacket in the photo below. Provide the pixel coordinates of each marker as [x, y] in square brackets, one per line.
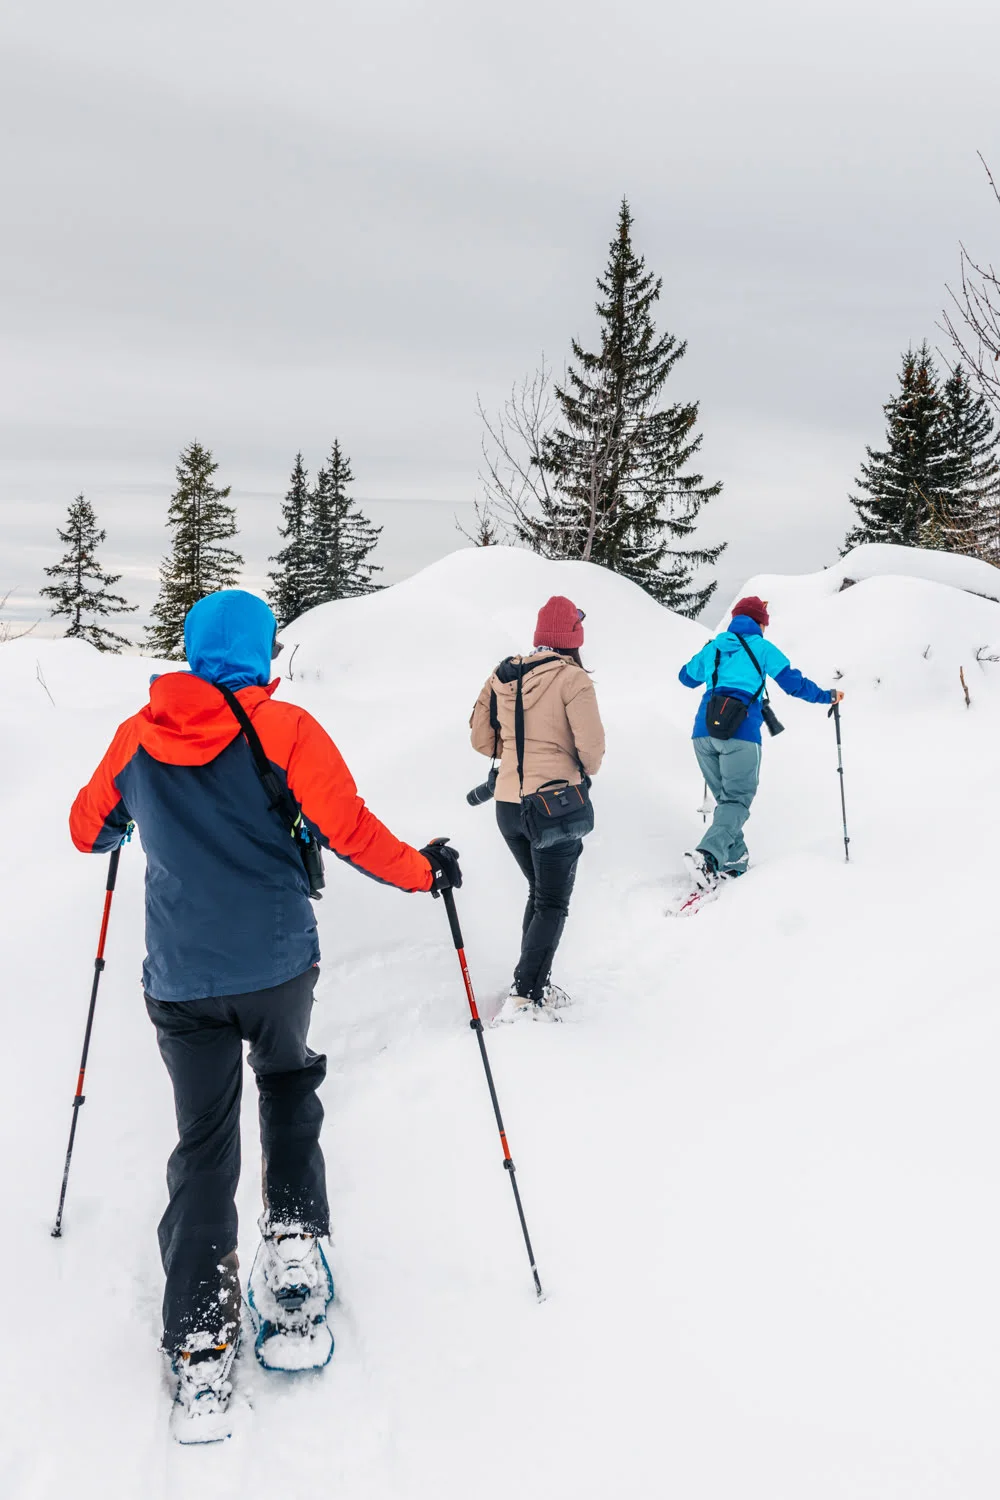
[232, 954]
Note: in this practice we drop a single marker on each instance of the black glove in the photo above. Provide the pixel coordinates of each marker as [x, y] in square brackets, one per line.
[443, 860]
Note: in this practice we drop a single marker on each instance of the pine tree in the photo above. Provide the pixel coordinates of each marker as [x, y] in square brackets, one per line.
[968, 513]
[198, 564]
[290, 596]
[620, 495]
[79, 568]
[904, 487]
[341, 537]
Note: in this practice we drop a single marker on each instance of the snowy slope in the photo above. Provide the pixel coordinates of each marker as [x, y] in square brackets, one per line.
[758, 1159]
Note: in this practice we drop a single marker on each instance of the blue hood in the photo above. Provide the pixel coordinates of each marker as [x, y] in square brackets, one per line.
[228, 639]
[743, 625]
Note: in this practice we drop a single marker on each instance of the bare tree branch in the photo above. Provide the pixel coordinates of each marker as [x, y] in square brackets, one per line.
[9, 631]
[975, 327]
[514, 477]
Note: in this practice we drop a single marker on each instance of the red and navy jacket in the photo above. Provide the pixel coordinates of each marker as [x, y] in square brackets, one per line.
[227, 899]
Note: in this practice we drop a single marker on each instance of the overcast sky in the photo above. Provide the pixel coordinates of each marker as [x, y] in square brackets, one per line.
[265, 225]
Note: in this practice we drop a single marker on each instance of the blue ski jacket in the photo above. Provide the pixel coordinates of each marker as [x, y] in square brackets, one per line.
[739, 679]
[227, 899]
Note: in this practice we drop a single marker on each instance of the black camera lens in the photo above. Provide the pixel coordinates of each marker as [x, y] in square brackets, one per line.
[774, 726]
[483, 792]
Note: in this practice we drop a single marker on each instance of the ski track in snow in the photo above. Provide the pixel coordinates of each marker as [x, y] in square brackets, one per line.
[758, 1161]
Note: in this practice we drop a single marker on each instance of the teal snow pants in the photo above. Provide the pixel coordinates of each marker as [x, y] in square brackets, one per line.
[732, 770]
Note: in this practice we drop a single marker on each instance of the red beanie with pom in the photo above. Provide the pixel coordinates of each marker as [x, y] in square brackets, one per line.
[755, 608]
[560, 624]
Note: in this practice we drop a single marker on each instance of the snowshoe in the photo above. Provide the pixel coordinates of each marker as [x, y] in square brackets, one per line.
[521, 1007]
[554, 998]
[203, 1369]
[289, 1291]
[703, 870]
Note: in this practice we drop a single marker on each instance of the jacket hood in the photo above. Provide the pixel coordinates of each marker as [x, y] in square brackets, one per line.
[743, 625]
[187, 722]
[538, 670]
[229, 637]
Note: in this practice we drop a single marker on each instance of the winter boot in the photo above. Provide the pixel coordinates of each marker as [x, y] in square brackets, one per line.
[703, 869]
[202, 1368]
[288, 1294]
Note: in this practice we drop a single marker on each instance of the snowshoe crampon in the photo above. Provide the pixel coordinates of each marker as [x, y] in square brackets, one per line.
[289, 1291]
[201, 1409]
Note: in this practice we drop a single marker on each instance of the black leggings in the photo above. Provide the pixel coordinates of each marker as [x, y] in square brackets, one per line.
[550, 874]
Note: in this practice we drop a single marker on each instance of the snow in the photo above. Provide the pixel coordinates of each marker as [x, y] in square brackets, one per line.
[758, 1158]
[875, 560]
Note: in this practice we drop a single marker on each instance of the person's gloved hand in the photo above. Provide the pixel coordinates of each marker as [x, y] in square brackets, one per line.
[443, 860]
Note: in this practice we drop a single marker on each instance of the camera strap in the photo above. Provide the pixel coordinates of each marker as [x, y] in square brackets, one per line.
[763, 679]
[519, 732]
[495, 724]
[519, 729]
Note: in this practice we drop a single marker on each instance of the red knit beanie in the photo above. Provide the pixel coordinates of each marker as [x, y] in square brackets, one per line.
[755, 608]
[560, 623]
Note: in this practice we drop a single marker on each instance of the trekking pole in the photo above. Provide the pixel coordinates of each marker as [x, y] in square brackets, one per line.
[704, 809]
[835, 711]
[477, 1027]
[78, 1097]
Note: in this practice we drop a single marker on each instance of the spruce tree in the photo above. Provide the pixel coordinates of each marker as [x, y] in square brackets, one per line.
[621, 496]
[83, 587]
[341, 537]
[290, 595]
[198, 565]
[904, 485]
[968, 513]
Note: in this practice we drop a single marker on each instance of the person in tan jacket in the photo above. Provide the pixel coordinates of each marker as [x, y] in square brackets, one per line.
[563, 741]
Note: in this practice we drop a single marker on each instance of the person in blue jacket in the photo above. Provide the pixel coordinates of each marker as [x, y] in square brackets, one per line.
[732, 766]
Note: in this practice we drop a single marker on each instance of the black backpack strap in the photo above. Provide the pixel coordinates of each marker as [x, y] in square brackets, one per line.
[715, 674]
[763, 679]
[281, 800]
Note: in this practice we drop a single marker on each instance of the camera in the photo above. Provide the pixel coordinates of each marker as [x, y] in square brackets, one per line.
[774, 726]
[483, 792]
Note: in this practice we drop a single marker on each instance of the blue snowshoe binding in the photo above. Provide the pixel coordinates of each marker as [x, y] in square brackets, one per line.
[288, 1293]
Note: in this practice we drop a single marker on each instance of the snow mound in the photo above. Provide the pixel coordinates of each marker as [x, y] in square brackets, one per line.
[469, 611]
[875, 560]
[758, 1157]
[911, 623]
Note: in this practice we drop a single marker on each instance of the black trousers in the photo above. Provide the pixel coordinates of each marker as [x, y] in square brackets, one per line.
[201, 1042]
[550, 874]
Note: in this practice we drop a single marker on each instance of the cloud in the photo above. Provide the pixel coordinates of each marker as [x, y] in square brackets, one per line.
[271, 225]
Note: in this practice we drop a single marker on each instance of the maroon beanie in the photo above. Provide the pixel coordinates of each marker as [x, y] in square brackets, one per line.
[560, 624]
[755, 608]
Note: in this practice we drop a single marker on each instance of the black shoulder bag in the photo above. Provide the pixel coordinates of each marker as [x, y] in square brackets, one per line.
[725, 714]
[558, 812]
[281, 800]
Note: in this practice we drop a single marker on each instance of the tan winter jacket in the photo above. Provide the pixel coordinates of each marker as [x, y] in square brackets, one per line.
[561, 722]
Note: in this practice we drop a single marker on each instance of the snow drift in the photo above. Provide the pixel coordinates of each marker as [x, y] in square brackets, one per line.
[758, 1158]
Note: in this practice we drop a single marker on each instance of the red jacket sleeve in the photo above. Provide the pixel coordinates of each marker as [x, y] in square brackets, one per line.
[99, 817]
[324, 789]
